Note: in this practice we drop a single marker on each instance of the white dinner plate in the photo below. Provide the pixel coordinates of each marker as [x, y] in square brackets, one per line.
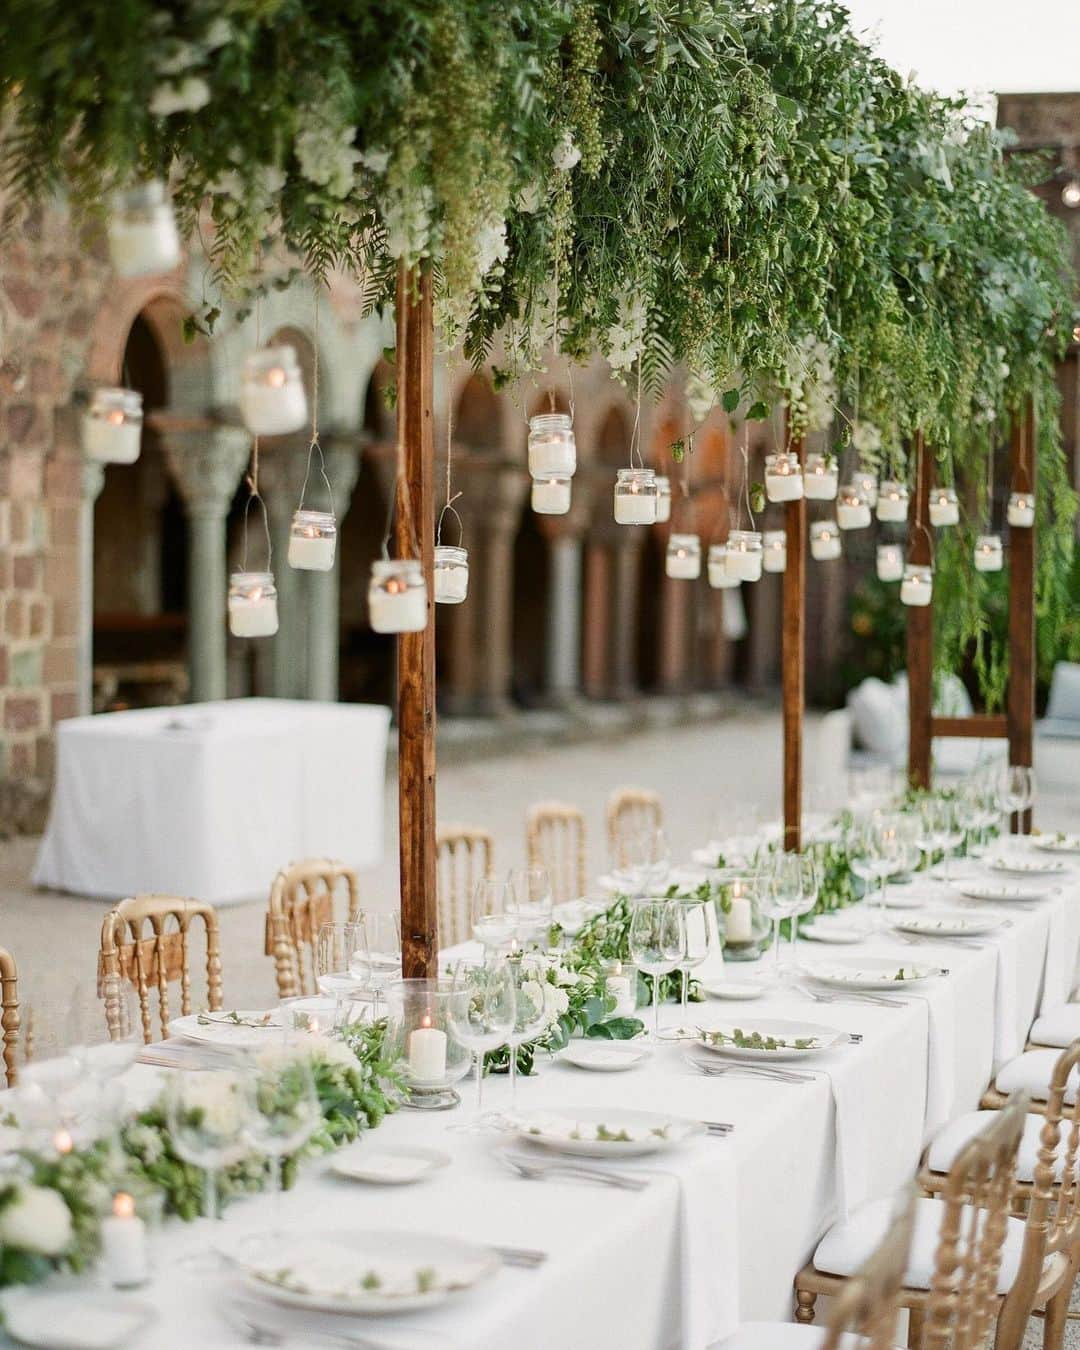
[772, 1039]
[732, 991]
[75, 1319]
[902, 899]
[1017, 865]
[948, 923]
[830, 932]
[606, 1056]
[872, 972]
[249, 1031]
[388, 1167]
[607, 1132]
[367, 1273]
[1057, 843]
[1004, 892]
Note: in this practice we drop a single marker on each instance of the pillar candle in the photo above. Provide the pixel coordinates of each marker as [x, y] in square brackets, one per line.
[635, 508]
[427, 1053]
[739, 921]
[123, 1245]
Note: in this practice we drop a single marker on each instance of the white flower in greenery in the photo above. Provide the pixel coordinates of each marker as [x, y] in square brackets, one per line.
[217, 1096]
[866, 438]
[700, 398]
[529, 198]
[146, 1143]
[219, 34]
[626, 337]
[491, 246]
[566, 154]
[408, 222]
[36, 1219]
[325, 151]
[188, 95]
[175, 57]
[556, 1002]
[376, 160]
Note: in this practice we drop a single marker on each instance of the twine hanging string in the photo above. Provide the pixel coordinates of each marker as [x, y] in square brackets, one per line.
[315, 443]
[635, 435]
[746, 474]
[451, 496]
[253, 475]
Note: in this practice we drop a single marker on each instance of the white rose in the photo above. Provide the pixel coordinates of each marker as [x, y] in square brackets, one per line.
[36, 1220]
[188, 96]
[865, 437]
[566, 154]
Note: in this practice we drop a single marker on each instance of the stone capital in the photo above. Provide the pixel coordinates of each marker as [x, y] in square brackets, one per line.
[207, 461]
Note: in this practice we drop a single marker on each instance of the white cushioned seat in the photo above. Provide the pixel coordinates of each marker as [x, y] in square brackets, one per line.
[846, 1246]
[1030, 1072]
[949, 1141]
[783, 1336]
[1060, 1027]
[879, 720]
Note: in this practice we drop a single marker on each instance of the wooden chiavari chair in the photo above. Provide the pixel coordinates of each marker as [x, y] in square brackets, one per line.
[1031, 1073]
[463, 856]
[966, 1252]
[631, 810]
[9, 1016]
[302, 899]
[555, 839]
[158, 957]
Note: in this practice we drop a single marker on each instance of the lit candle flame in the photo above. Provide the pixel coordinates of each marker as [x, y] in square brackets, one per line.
[124, 1205]
[115, 418]
[275, 377]
[63, 1142]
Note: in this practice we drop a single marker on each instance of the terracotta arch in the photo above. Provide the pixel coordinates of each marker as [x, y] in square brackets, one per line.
[163, 307]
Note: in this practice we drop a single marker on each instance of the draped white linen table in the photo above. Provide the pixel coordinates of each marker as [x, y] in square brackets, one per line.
[210, 799]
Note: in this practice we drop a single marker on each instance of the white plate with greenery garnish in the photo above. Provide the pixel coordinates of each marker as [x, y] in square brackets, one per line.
[872, 973]
[606, 1056]
[607, 1132]
[367, 1273]
[948, 923]
[239, 1028]
[1005, 892]
[772, 1040]
[1057, 843]
[1018, 865]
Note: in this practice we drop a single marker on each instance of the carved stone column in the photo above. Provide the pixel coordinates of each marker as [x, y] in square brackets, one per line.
[565, 561]
[322, 590]
[626, 560]
[678, 612]
[93, 480]
[207, 461]
[496, 515]
[281, 478]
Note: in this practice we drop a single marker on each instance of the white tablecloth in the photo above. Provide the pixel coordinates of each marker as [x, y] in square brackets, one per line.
[209, 800]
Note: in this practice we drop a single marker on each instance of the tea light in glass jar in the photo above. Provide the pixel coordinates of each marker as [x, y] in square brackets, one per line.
[739, 920]
[272, 398]
[427, 1052]
[988, 554]
[774, 551]
[892, 501]
[552, 447]
[312, 540]
[917, 587]
[397, 596]
[867, 486]
[620, 983]
[143, 238]
[783, 477]
[551, 496]
[824, 540]
[683, 558]
[663, 499]
[852, 508]
[252, 604]
[944, 506]
[820, 477]
[890, 562]
[112, 426]
[123, 1245]
[451, 574]
[1021, 511]
[744, 555]
[720, 579]
[635, 497]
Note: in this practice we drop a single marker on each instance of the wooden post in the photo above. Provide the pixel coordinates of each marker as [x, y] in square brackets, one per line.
[920, 630]
[414, 526]
[1020, 706]
[793, 659]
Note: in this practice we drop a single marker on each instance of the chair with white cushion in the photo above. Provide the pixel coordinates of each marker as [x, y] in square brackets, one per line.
[865, 1311]
[967, 1254]
[630, 811]
[1031, 1073]
[555, 839]
[1060, 1027]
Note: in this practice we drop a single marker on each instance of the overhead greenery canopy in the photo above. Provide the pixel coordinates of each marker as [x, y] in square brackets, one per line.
[740, 190]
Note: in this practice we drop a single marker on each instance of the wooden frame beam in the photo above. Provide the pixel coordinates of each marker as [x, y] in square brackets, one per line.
[920, 629]
[793, 661]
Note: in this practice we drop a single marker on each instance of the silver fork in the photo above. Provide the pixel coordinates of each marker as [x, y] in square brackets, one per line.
[256, 1333]
[537, 1171]
[919, 940]
[774, 1074]
[873, 1000]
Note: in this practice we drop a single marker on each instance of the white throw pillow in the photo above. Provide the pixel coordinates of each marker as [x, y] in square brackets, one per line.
[879, 725]
[1064, 699]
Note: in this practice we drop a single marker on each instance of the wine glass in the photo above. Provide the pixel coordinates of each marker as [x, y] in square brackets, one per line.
[809, 890]
[379, 960]
[695, 919]
[657, 943]
[782, 894]
[482, 1010]
[1016, 791]
[281, 1112]
[531, 903]
[530, 1010]
[205, 1114]
[897, 852]
[494, 924]
[863, 845]
[340, 954]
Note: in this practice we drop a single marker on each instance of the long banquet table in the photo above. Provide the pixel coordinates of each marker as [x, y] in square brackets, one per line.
[725, 1223]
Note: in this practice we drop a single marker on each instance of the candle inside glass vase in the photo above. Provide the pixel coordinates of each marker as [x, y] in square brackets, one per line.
[451, 574]
[552, 446]
[917, 587]
[988, 553]
[783, 477]
[272, 398]
[774, 551]
[551, 496]
[397, 596]
[124, 1251]
[866, 484]
[944, 506]
[143, 238]
[892, 501]
[635, 497]
[720, 579]
[744, 555]
[820, 477]
[1021, 509]
[252, 604]
[682, 560]
[890, 562]
[112, 426]
[663, 499]
[852, 508]
[312, 540]
[739, 919]
[824, 540]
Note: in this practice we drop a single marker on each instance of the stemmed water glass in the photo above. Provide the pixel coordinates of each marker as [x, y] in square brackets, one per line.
[281, 1113]
[898, 852]
[1016, 790]
[482, 1010]
[781, 895]
[379, 961]
[657, 943]
[205, 1113]
[494, 922]
[809, 890]
[530, 904]
[341, 961]
[530, 1010]
[695, 919]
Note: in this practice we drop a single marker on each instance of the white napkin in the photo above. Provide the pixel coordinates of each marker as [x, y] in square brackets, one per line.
[1057, 982]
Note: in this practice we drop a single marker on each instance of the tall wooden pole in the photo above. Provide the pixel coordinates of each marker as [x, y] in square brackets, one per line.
[920, 630]
[1020, 706]
[414, 519]
[793, 659]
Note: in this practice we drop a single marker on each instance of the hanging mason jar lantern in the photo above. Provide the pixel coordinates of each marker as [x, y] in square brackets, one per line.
[112, 426]
[252, 604]
[820, 477]
[944, 506]
[312, 540]
[272, 398]
[890, 562]
[892, 501]
[143, 238]
[663, 499]
[783, 477]
[551, 495]
[867, 485]
[917, 587]
[824, 540]
[683, 558]
[635, 497]
[774, 551]
[1021, 510]
[451, 574]
[397, 596]
[988, 553]
[720, 579]
[552, 447]
[852, 508]
[744, 555]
